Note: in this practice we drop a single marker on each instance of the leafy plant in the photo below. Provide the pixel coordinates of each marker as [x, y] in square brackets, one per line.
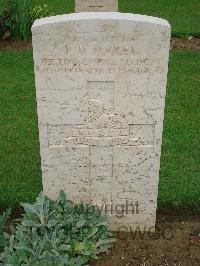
[3, 219]
[19, 15]
[57, 233]
[5, 18]
[40, 11]
[21, 19]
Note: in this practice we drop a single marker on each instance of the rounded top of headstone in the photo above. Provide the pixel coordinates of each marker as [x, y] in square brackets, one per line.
[101, 16]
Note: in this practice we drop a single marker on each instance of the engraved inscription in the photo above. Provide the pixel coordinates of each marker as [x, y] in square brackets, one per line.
[70, 135]
[100, 50]
[95, 65]
[86, 39]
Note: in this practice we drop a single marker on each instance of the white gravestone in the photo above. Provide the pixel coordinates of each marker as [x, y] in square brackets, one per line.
[101, 84]
[96, 5]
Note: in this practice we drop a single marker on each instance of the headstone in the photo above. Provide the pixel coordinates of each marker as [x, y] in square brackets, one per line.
[101, 83]
[96, 5]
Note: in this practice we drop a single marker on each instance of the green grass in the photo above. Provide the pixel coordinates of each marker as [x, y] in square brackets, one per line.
[180, 164]
[183, 15]
[20, 177]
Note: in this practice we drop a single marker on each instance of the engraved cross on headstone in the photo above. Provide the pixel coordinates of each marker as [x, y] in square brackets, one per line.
[103, 135]
[96, 6]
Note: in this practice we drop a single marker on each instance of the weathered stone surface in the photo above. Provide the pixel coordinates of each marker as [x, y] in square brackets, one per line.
[101, 83]
[96, 5]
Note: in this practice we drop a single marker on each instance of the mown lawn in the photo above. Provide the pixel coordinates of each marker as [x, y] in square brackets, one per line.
[180, 164]
[20, 176]
[183, 15]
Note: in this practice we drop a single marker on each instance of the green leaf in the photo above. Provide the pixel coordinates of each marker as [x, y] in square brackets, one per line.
[51, 223]
[78, 261]
[79, 246]
[105, 248]
[29, 223]
[106, 241]
[6, 235]
[55, 252]
[92, 233]
[63, 196]
[80, 223]
[64, 247]
[28, 208]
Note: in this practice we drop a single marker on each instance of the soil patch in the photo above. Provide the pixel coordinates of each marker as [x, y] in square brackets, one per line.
[175, 243]
[15, 45]
[191, 44]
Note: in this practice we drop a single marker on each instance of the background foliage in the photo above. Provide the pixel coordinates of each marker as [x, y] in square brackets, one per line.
[17, 17]
[183, 15]
[4, 216]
